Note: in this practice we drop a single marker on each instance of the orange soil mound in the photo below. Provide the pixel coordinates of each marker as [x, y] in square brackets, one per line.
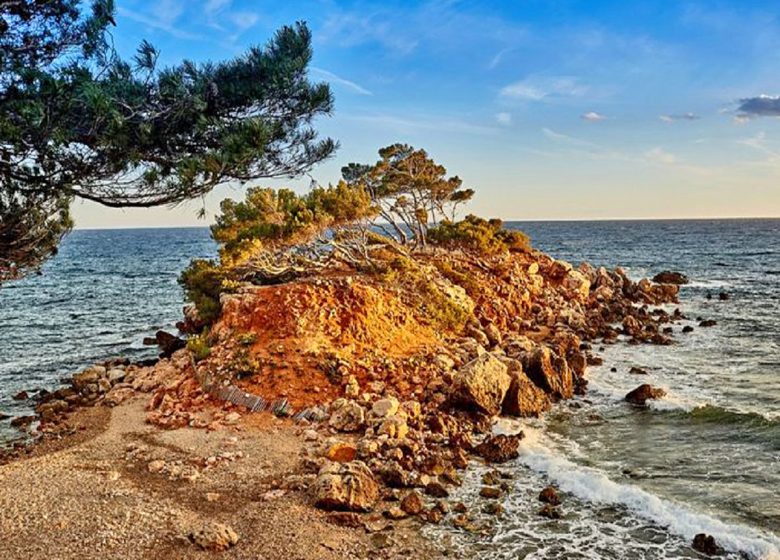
[298, 333]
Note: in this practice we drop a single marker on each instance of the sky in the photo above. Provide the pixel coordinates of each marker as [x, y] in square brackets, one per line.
[556, 109]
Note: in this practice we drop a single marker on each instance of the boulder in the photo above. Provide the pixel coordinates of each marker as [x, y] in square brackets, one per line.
[550, 372]
[577, 285]
[213, 536]
[168, 343]
[482, 383]
[670, 277]
[644, 392]
[500, 448]
[523, 398]
[346, 487]
[346, 415]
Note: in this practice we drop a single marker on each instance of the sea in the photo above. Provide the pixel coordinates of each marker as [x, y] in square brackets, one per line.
[635, 482]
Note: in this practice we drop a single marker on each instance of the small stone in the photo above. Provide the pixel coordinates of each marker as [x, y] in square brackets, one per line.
[155, 466]
[395, 512]
[212, 496]
[232, 418]
[550, 496]
[385, 407]
[412, 503]
[490, 492]
[550, 512]
[437, 490]
[214, 536]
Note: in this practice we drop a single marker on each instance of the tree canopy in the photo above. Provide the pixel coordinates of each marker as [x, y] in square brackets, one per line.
[412, 191]
[77, 120]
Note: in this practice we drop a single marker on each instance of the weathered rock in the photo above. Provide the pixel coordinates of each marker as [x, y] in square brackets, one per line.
[577, 285]
[345, 519]
[687, 329]
[550, 372]
[549, 496]
[21, 396]
[637, 371]
[346, 486]
[500, 448]
[437, 490]
[523, 398]
[644, 392]
[706, 545]
[346, 415]
[708, 323]
[670, 277]
[482, 383]
[385, 407]
[341, 452]
[214, 536]
[395, 427]
[412, 503]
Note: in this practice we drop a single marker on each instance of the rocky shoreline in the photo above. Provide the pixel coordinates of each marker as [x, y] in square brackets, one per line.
[400, 407]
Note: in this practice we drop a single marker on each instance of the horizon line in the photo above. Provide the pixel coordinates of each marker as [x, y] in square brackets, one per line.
[531, 220]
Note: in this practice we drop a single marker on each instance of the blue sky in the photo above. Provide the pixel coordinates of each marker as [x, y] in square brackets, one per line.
[549, 109]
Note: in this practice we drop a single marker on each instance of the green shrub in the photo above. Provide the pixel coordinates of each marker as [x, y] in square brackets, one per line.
[486, 236]
[203, 283]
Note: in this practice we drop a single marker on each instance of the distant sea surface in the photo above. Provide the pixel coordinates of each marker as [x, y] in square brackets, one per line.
[637, 483]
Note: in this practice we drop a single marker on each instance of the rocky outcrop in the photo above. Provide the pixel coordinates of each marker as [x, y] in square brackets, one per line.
[643, 393]
[482, 383]
[523, 398]
[346, 487]
[550, 372]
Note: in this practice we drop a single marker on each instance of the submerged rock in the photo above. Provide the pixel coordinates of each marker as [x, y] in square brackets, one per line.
[670, 277]
[643, 393]
[706, 545]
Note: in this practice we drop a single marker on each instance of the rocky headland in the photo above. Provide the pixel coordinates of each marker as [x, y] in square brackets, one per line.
[325, 416]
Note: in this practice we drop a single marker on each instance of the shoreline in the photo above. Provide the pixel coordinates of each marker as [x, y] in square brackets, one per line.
[181, 405]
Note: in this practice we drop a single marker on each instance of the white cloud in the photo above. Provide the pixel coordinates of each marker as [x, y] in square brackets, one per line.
[504, 119]
[680, 117]
[593, 116]
[539, 88]
[659, 155]
[167, 11]
[335, 79]
[214, 6]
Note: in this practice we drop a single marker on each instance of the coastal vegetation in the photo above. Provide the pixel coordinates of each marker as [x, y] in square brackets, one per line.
[79, 121]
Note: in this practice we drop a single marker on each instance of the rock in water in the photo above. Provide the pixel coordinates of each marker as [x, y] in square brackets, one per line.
[706, 545]
[550, 372]
[168, 343]
[214, 536]
[482, 383]
[644, 392]
[550, 496]
[346, 487]
[500, 448]
[670, 277]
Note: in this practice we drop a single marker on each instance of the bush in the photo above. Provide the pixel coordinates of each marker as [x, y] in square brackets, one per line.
[485, 236]
[199, 346]
[203, 281]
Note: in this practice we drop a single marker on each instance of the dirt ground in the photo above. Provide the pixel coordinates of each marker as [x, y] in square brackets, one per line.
[124, 489]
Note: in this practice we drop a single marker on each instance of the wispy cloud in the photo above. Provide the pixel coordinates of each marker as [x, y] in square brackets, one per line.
[593, 116]
[504, 119]
[659, 155]
[335, 79]
[157, 23]
[499, 56]
[439, 124]
[541, 88]
[679, 117]
[350, 29]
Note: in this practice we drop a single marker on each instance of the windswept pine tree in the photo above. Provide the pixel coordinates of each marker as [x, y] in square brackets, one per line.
[79, 121]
